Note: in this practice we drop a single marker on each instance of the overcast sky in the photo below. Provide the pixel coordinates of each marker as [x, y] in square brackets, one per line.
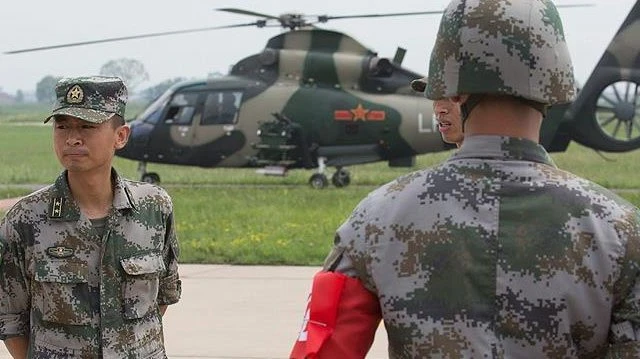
[33, 23]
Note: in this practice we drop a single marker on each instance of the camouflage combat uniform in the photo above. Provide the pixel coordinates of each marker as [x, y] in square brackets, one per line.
[81, 291]
[497, 253]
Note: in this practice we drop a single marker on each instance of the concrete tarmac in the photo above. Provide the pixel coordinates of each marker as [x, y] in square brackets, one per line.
[240, 312]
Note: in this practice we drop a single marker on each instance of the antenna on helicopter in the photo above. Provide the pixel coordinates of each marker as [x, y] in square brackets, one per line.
[399, 56]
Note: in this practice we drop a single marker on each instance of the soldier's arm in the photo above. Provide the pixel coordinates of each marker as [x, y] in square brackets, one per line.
[624, 333]
[14, 293]
[17, 347]
[170, 287]
[342, 315]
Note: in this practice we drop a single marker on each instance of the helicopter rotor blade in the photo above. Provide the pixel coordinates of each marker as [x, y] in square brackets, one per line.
[574, 5]
[113, 39]
[325, 18]
[295, 21]
[247, 12]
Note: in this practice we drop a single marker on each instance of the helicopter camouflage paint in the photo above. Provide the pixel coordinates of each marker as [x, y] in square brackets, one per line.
[315, 98]
[336, 103]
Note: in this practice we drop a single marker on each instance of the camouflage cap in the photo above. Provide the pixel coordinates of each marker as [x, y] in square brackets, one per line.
[94, 99]
[501, 47]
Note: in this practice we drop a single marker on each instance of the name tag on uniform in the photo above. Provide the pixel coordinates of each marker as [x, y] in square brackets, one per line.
[60, 252]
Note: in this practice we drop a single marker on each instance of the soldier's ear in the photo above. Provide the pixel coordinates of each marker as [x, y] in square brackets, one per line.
[122, 136]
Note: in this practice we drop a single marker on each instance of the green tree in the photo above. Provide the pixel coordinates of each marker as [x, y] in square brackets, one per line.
[152, 92]
[45, 89]
[19, 96]
[131, 71]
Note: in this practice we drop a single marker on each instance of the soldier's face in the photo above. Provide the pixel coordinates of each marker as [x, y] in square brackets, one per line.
[83, 146]
[447, 114]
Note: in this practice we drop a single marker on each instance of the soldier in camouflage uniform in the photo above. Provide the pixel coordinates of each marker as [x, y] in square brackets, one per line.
[496, 253]
[89, 264]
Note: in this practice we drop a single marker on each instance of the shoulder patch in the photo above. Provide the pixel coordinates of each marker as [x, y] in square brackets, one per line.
[56, 207]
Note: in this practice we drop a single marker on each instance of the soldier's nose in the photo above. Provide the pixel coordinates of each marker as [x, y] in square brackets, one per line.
[73, 141]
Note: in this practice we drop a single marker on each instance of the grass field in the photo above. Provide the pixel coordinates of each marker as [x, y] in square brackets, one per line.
[237, 216]
[27, 157]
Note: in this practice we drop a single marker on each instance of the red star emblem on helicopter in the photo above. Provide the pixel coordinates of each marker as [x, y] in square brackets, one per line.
[359, 113]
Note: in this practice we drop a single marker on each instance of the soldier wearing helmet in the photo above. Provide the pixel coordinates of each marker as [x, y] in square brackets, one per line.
[495, 253]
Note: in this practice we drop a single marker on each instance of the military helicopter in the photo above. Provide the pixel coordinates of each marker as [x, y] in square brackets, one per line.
[312, 98]
[315, 98]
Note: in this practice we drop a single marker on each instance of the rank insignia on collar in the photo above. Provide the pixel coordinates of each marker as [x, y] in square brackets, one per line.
[60, 252]
[75, 94]
[56, 207]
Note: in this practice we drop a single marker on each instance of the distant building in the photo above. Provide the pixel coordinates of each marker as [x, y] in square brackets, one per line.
[6, 99]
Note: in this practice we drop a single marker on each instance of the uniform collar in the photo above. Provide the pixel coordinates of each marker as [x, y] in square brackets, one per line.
[63, 207]
[504, 148]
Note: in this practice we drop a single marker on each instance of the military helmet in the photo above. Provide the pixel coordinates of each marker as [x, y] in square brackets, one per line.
[499, 47]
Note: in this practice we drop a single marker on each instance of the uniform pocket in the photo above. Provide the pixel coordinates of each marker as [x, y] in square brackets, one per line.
[141, 283]
[62, 290]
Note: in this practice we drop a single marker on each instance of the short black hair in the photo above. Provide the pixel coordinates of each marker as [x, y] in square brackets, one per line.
[117, 121]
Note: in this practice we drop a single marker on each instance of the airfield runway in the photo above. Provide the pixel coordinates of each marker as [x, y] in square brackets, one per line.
[240, 312]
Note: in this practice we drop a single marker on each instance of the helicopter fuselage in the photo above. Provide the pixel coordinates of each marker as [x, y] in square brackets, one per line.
[345, 127]
[310, 95]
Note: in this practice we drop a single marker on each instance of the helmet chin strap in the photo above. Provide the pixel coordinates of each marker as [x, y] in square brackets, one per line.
[540, 107]
[468, 106]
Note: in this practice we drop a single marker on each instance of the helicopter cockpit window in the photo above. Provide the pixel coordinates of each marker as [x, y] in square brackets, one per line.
[380, 67]
[153, 112]
[221, 107]
[181, 109]
[182, 115]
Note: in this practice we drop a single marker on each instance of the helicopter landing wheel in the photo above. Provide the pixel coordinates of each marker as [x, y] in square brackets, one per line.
[318, 181]
[150, 177]
[617, 116]
[341, 178]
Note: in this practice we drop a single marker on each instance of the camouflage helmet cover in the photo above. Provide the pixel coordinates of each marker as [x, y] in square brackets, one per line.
[510, 47]
[94, 99]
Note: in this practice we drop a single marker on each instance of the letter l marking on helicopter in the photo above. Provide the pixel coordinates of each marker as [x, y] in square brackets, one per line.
[421, 127]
